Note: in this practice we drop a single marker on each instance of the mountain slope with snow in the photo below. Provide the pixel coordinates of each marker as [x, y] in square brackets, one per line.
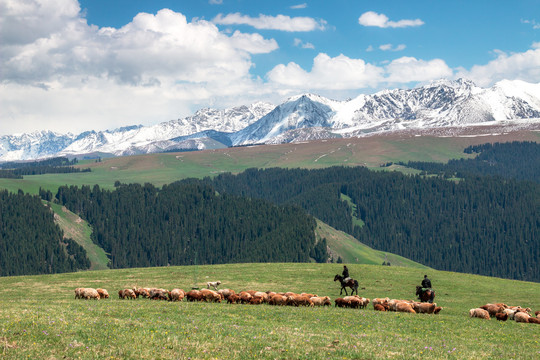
[301, 118]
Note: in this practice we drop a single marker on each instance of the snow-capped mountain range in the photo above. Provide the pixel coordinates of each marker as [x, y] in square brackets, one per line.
[301, 118]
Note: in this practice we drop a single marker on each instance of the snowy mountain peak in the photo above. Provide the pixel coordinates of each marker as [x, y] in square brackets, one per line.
[440, 104]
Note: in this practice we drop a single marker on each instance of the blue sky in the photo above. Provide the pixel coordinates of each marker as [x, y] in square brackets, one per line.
[70, 66]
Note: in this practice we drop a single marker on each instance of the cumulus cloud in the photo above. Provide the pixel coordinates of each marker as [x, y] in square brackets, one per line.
[338, 73]
[516, 66]
[155, 64]
[266, 22]
[372, 18]
[344, 73]
[533, 23]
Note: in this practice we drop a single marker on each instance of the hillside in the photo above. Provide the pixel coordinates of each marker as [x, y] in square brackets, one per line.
[372, 151]
[42, 320]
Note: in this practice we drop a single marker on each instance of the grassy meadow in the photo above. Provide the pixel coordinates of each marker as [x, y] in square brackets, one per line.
[160, 169]
[40, 318]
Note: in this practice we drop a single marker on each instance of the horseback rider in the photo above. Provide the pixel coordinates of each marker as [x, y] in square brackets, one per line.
[426, 284]
[345, 273]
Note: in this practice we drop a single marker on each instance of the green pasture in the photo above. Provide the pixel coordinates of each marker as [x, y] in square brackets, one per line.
[352, 251]
[165, 168]
[39, 317]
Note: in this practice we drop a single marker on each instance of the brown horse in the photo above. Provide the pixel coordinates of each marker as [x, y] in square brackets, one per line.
[353, 284]
[425, 296]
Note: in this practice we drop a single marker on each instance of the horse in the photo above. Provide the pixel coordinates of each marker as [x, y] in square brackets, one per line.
[425, 296]
[353, 284]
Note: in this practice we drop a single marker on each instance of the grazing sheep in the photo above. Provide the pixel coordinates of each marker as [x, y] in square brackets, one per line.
[479, 313]
[405, 307]
[379, 307]
[510, 313]
[78, 293]
[502, 316]
[533, 320]
[492, 309]
[225, 293]
[521, 316]
[278, 300]
[233, 299]
[89, 293]
[176, 295]
[194, 295]
[321, 301]
[245, 297]
[383, 301]
[103, 294]
[437, 310]
[210, 295]
[213, 284]
[341, 302]
[424, 308]
[256, 300]
[364, 302]
[159, 294]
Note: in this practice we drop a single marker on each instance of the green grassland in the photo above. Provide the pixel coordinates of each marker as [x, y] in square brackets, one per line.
[79, 230]
[352, 251]
[165, 168]
[40, 318]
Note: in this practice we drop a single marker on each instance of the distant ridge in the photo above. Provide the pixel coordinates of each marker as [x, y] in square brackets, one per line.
[441, 104]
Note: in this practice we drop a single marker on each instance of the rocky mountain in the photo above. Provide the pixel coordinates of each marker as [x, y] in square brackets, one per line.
[305, 117]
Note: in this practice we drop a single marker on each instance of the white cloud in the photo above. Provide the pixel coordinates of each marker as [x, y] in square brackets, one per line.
[215, 2]
[410, 69]
[338, 73]
[79, 75]
[279, 22]
[517, 66]
[372, 18]
[344, 73]
[299, 6]
[390, 47]
[304, 45]
[533, 22]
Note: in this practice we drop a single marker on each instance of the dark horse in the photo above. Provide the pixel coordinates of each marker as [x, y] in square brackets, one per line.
[425, 296]
[353, 284]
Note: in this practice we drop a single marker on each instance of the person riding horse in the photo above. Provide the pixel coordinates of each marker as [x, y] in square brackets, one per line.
[345, 273]
[426, 287]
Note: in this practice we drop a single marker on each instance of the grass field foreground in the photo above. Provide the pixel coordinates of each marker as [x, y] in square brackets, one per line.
[41, 319]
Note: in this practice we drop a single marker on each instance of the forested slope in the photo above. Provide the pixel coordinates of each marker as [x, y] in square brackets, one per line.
[184, 224]
[478, 225]
[30, 241]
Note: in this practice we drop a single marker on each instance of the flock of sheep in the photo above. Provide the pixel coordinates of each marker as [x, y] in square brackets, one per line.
[500, 311]
[504, 312]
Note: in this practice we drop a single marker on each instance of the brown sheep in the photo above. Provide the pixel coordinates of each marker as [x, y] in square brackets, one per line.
[245, 297]
[364, 303]
[479, 313]
[159, 294]
[321, 301]
[277, 300]
[533, 320]
[340, 302]
[437, 310]
[382, 301]
[405, 307]
[303, 301]
[210, 295]
[501, 316]
[176, 295]
[492, 309]
[424, 308]
[89, 293]
[103, 294]
[537, 314]
[256, 300]
[225, 293]
[78, 293]
[193, 295]
[233, 299]
[379, 307]
[521, 316]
